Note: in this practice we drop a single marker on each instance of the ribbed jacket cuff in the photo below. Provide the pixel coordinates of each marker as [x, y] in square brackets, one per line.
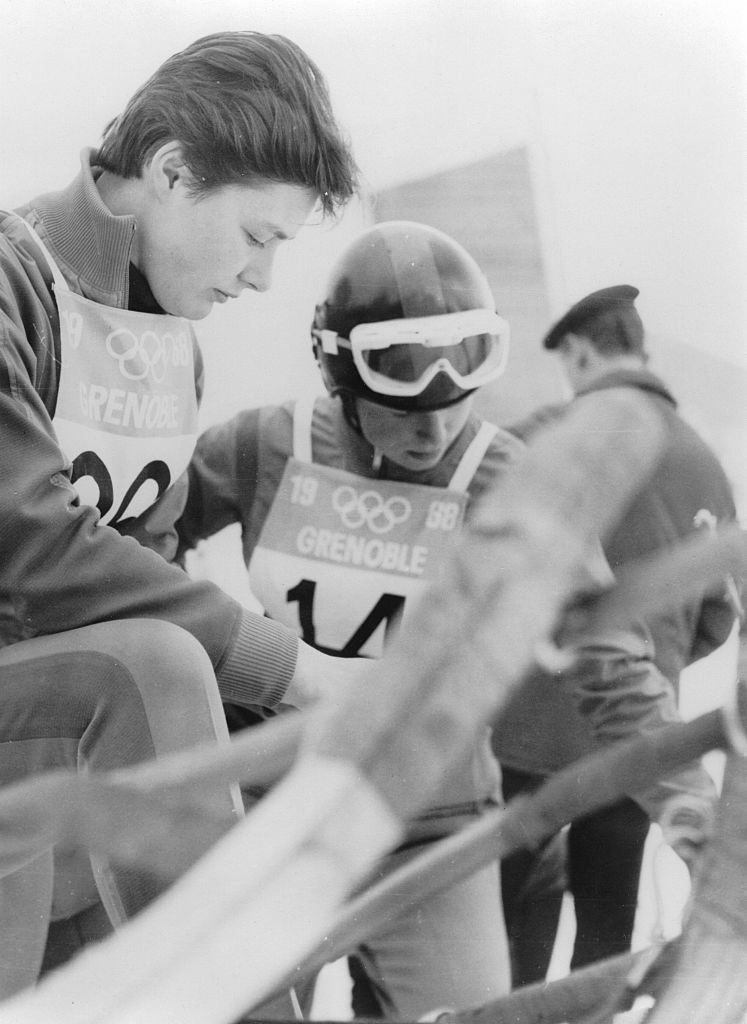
[261, 663]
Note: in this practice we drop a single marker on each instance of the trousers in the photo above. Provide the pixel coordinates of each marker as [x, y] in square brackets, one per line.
[92, 699]
[598, 860]
[449, 951]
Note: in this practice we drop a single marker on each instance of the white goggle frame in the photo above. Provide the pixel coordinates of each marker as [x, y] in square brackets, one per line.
[441, 331]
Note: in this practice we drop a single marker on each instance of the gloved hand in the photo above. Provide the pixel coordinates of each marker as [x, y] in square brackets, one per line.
[686, 822]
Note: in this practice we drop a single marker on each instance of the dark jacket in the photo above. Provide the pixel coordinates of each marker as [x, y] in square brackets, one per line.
[61, 569]
[687, 490]
[542, 729]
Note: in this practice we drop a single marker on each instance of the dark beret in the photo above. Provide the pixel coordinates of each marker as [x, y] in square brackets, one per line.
[618, 297]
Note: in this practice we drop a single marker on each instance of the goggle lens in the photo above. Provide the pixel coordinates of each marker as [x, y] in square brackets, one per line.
[402, 357]
[409, 363]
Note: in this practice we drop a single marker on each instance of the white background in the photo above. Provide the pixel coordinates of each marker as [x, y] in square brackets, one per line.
[633, 112]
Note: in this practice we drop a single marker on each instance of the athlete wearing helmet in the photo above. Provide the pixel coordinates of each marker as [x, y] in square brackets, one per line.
[347, 504]
[409, 321]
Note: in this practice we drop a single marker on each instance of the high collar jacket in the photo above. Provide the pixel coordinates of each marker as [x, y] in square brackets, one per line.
[60, 569]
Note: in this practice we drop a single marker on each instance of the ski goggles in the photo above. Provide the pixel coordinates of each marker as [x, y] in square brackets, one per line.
[401, 357]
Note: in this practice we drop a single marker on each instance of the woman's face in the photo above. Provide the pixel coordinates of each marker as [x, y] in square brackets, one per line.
[196, 251]
[413, 440]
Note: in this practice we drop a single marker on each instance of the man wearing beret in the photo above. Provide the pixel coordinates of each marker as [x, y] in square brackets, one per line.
[600, 342]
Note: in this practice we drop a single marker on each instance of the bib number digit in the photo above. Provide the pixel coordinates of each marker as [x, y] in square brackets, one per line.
[388, 609]
[442, 515]
[88, 464]
[303, 490]
[303, 593]
[158, 472]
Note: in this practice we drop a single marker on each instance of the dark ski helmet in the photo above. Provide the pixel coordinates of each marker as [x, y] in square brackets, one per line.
[409, 320]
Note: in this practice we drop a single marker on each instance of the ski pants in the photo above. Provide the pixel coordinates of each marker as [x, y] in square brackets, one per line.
[92, 699]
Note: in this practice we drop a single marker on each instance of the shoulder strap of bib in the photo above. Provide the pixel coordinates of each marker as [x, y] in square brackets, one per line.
[303, 412]
[472, 457]
[59, 281]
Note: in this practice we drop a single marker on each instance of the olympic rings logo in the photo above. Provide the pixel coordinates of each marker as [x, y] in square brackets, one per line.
[149, 355]
[368, 508]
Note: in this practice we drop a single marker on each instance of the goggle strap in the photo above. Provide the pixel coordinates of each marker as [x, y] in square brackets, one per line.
[329, 340]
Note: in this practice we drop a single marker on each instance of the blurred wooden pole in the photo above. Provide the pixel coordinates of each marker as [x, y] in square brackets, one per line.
[709, 977]
[592, 783]
[265, 894]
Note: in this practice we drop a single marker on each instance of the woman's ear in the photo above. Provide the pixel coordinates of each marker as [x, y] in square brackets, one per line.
[166, 169]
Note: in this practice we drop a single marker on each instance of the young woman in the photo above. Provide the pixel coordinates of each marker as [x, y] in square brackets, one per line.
[216, 159]
[347, 505]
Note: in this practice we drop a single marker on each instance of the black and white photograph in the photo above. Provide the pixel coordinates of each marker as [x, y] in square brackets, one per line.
[373, 493]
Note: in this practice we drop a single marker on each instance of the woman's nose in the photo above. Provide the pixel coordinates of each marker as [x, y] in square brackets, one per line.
[257, 273]
[430, 426]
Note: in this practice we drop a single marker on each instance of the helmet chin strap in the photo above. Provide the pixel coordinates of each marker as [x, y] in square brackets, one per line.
[351, 415]
[349, 408]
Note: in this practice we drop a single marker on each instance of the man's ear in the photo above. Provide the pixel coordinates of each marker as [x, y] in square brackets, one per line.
[166, 169]
[576, 349]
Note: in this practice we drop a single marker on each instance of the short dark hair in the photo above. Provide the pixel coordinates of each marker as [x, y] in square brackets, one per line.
[244, 106]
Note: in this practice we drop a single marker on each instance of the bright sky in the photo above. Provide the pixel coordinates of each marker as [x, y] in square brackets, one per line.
[633, 111]
[421, 83]
[416, 82]
[631, 107]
